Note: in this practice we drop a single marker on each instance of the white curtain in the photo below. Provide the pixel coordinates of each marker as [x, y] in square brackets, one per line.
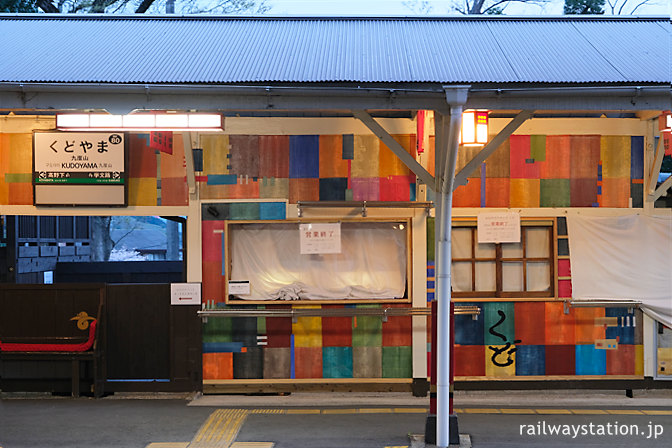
[371, 265]
[624, 257]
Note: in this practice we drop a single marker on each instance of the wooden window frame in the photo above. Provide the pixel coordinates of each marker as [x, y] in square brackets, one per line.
[499, 260]
[407, 299]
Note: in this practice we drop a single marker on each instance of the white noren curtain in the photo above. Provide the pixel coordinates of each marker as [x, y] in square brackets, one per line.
[371, 265]
[623, 257]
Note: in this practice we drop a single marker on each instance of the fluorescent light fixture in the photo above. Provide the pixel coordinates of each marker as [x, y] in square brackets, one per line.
[140, 122]
[205, 121]
[72, 120]
[172, 121]
[105, 121]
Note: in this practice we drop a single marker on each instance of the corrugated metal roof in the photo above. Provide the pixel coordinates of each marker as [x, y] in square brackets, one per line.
[223, 50]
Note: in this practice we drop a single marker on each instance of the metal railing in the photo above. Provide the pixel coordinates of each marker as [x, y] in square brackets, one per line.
[586, 303]
[295, 313]
[363, 205]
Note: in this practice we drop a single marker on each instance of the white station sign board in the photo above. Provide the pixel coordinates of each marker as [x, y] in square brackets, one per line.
[79, 168]
[498, 227]
[320, 238]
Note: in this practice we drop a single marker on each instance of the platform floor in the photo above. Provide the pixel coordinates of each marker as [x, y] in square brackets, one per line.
[327, 420]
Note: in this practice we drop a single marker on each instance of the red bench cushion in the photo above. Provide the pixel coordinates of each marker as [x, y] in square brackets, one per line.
[81, 347]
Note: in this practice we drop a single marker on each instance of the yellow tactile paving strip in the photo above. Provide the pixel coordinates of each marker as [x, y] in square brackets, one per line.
[655, 412]
[220, 429]
[167, 445]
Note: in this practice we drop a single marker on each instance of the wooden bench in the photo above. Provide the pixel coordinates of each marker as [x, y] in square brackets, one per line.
[52, 323]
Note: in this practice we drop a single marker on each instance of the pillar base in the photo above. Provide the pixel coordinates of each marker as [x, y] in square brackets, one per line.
[430, 430]
[420, 387]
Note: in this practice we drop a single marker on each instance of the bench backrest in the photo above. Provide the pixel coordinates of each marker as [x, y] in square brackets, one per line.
[49, 314]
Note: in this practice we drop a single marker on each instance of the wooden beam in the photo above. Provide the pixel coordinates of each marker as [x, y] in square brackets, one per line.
[396, 148]
[660, 190]
[189, 159]
[655, 171]
[518, 120]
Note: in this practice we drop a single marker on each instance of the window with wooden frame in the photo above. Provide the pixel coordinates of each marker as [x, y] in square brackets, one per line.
[373, 264]
[504, 270]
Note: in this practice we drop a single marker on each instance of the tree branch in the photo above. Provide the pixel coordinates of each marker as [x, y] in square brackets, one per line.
[497, 3]
[620, 10]
[637, 7]
[47, 6]
[144, 6]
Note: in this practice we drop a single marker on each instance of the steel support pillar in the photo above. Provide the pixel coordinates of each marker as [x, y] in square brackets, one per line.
[447, 142]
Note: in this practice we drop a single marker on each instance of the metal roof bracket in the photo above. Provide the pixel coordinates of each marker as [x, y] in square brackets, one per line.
[652, 192]
[394, 146]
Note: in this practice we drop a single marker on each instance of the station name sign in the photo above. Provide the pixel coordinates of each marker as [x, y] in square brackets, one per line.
[79, 168]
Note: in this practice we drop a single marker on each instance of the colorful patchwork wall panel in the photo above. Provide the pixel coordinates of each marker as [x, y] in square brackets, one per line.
[310, 347]
[510, 339]
[304, 168]
[16, 156]
[540, 338]
[156, 169]
[530, 171]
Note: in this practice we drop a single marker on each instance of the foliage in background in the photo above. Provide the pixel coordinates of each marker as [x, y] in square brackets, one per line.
[584, 7]
[124, 254]
[611, 7]
[149, 6]
[17, 6]
[469, 7]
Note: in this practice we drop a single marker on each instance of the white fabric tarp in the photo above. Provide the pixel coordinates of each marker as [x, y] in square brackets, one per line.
[623, 257]
[371, 265]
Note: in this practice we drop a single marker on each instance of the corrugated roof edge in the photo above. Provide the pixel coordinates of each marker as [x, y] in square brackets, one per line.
[456, 18]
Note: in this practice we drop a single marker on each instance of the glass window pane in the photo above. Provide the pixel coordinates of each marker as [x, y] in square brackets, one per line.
[461, 244]
[486, 277]
[537, 242]
[512, 276]
[512, 250]
[538, 276]
[461, 276]
[485, 250]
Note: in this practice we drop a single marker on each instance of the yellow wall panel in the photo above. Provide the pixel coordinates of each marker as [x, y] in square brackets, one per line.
[215, 151]
[664, 361]
[639, 359]
[142, 191]
[20, 153]
[491, 370]
[524, 193]
[390, 164]
[307, 330]
[366, 161]
[615, 156]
